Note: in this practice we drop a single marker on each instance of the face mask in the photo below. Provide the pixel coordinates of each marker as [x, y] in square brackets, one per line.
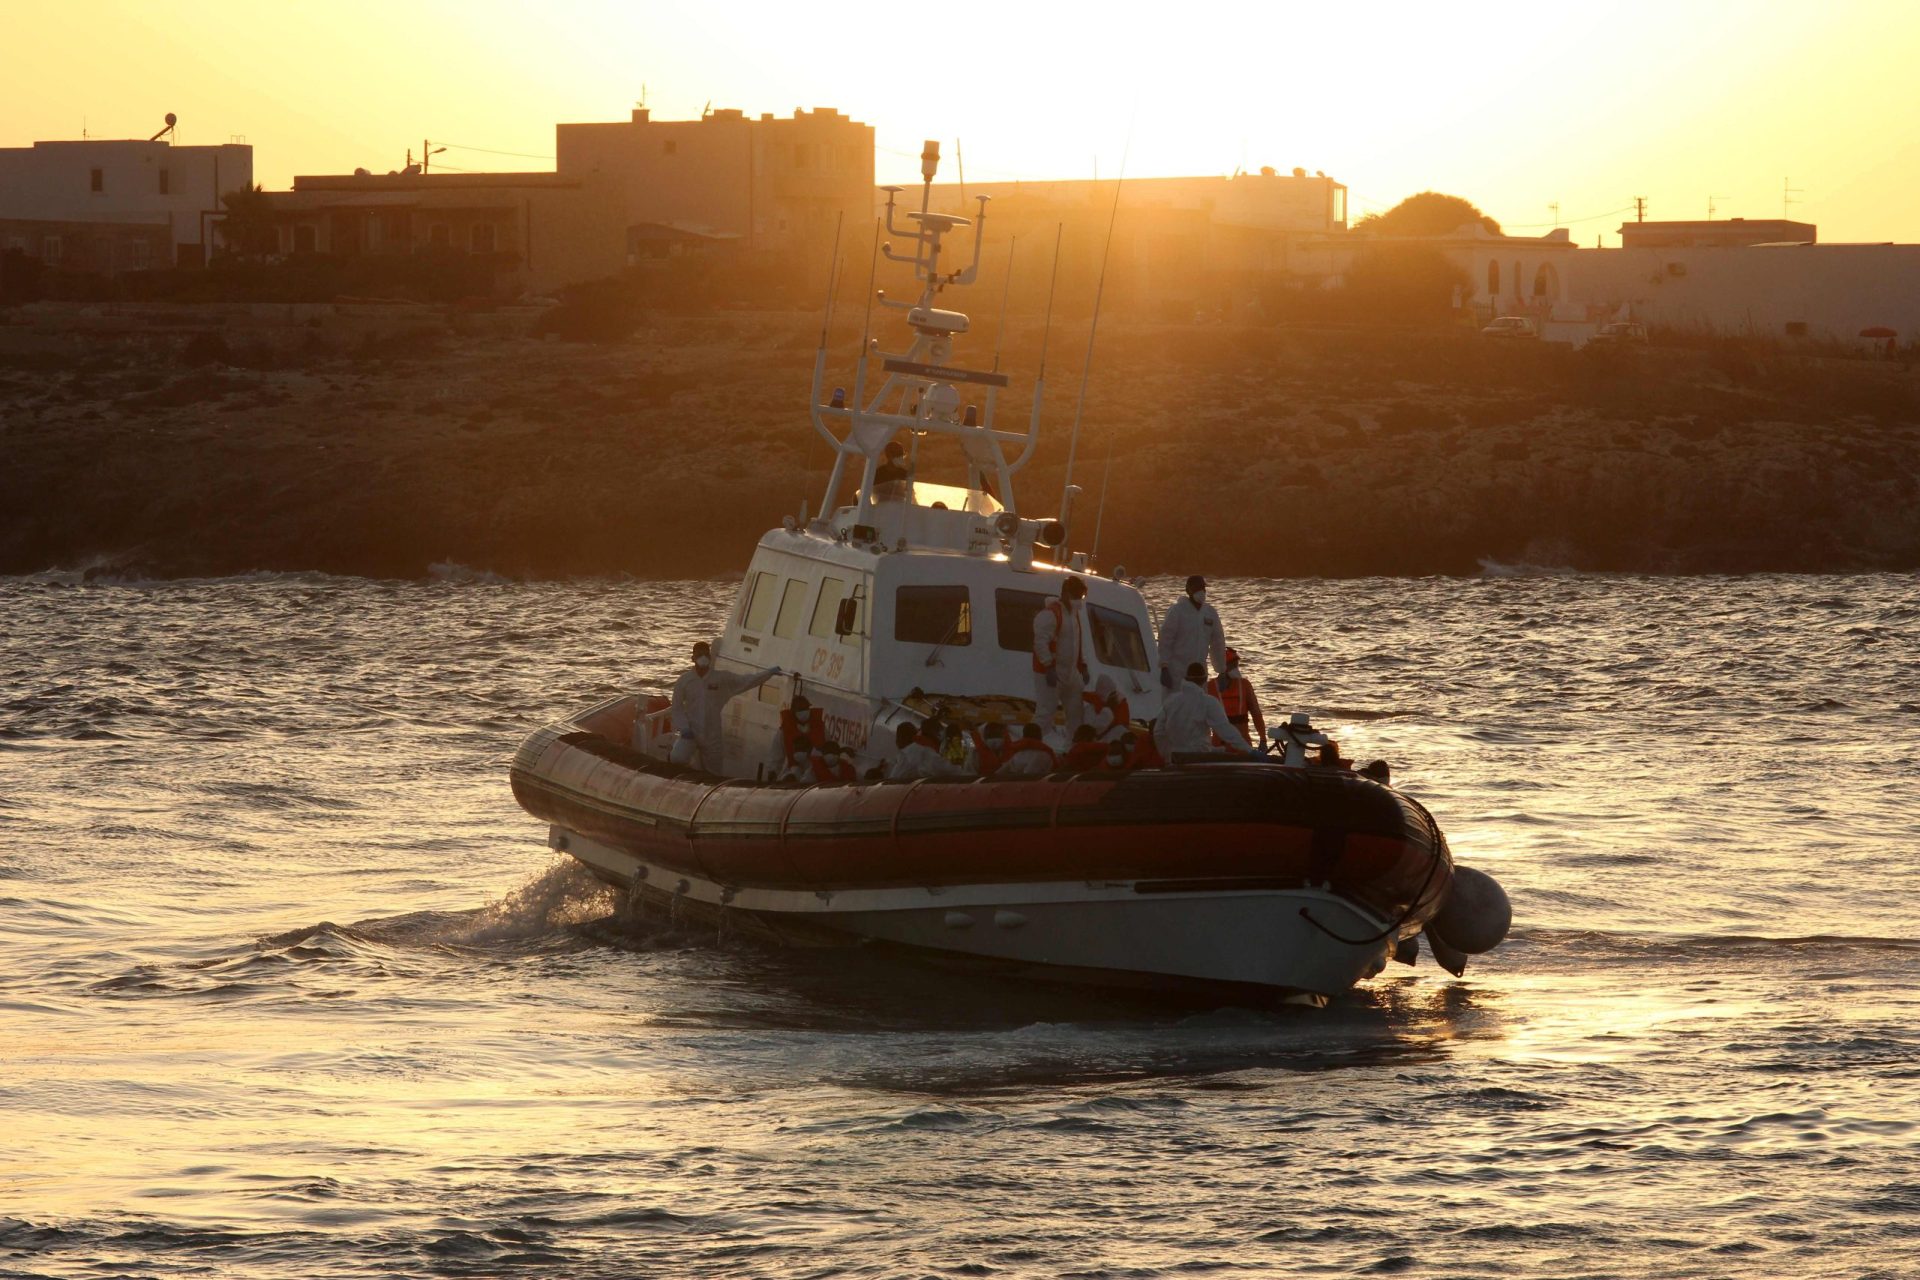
[701, 665]
[1199, 598]
[1115, 759]
[801, 716]
[1233, 673]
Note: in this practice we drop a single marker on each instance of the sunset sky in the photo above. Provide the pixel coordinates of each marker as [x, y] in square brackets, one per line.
[1515, 106]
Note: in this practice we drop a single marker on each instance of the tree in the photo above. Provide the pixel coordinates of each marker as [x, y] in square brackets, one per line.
[248, 230]
[1403, 283]
[1427, 214]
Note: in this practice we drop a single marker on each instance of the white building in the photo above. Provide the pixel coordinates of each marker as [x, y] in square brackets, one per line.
[117, 205]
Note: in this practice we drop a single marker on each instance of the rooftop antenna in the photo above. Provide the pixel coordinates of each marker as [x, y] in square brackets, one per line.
[166, 130]
[1639, 208]
[961, 160]
[1712, 206]
[1555, 209]
[1787, 193]
[1086, 367]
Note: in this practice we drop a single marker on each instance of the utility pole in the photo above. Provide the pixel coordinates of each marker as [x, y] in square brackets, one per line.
[1639, 208]
[1787, 193]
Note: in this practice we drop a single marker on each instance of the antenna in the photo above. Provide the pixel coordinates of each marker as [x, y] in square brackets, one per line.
[1554, 208]
[1639, 208]
[1787, 193]
[961, 160]
[1086, 366]
[1713, 206]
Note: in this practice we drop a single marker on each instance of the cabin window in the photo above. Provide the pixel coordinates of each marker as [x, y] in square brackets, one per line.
[1013, 618]
[793, 602]
[832, 592]
[1116, 639]
[932, 615]
[760, 597]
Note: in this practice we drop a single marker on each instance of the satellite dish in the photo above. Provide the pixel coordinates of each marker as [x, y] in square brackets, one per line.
[172, 119]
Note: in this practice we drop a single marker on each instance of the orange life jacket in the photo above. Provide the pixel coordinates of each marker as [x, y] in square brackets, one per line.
[988, 758]
[1233, 697]
[792, 732]
[1146, 755]
[1032, 744]
[1122, 714]
[1087, 755]
[827, 773]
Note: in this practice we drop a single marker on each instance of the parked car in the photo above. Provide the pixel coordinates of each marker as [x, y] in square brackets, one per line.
[1512, 327]
[1621, 333]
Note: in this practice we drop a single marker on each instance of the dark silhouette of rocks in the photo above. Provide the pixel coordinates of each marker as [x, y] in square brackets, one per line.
[1241, 450]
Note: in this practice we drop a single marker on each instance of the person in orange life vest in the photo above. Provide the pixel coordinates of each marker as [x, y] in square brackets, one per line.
[1107, 711]
[1141, 753]
[1238, 699]
[1059, 665]
[829, 766]
[800, 734]
[801, 770]
[989, 746]
[1030, 757]
[1087, 751]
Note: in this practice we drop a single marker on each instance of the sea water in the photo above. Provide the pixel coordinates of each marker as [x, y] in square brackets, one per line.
[290, 987]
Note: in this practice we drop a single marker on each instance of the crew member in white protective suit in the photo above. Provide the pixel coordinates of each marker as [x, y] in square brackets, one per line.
[1190, 633]
[1059, 664]
[1190, 714]
[699, 696]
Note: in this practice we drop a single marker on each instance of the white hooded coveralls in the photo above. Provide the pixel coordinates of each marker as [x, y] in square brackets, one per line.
[698, 701]
[1189, 635]
[1188, 715]
[1057, 651]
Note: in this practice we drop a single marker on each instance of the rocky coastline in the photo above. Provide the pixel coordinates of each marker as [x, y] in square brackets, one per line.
[156, 451]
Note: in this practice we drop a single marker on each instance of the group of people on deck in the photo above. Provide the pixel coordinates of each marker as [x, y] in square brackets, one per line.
[1198, 713]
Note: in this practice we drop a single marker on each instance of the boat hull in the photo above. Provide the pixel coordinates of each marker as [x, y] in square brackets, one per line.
[1294, 882]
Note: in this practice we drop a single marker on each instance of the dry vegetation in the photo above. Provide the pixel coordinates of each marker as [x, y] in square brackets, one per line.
[1234, 450]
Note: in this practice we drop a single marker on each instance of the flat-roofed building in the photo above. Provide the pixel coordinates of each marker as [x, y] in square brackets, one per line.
[113, 205]
[769, 183]
[534, 231]
[1724, 233]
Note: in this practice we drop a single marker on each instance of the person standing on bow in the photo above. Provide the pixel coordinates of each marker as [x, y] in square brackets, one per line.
[1190, 633]
[1238, 699]
[1059, 665]
[699, 696]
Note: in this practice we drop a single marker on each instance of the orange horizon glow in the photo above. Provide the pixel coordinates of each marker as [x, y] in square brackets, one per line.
[1515, 107]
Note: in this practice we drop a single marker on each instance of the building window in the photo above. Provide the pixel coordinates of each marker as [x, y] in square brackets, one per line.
[97, 179]
[166, 182]
[51, 249]
[669, 147]
[481, 237]
[1546, 281]
[1493, 279]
